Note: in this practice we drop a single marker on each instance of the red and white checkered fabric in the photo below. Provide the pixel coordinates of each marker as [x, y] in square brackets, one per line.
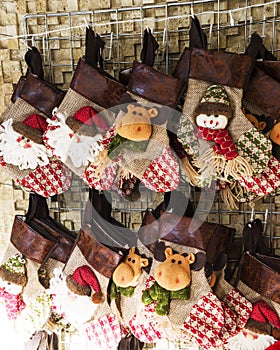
[205, 322]
[146, 332]
[237, 312]
[107, 179]
[110, 172]
[267, 181]
[48, 180]
[105, 332]
[162, 175]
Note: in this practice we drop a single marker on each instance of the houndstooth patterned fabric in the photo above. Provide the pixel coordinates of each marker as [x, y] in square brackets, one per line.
[48, 180]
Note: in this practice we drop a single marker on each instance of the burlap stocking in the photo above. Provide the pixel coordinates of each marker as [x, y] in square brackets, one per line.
[87, 273]
[23, 154]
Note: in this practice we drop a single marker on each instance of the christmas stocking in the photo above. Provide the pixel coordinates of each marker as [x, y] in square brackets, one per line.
[79, 121]
[22, 152]
[260, 95]
[212, 110]
[80, 292]
[139, 141]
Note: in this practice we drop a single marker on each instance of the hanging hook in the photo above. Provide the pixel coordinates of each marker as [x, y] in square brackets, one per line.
[265, 221]
[252, 214]
[33, 40]
[210, 35]
[26, 45]
[231, 19]
[192, 12]
[86, 22]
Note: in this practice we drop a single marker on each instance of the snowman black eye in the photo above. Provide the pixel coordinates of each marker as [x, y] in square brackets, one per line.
[22, 137]
[216, 115]
[28, 140]
[208, 115]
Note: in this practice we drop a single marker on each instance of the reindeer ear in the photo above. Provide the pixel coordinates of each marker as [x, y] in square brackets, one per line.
[132, 250]
[191, 258]
[130, 107]
[200, 261]
[168, 252]
[153, 112]
[144, 262]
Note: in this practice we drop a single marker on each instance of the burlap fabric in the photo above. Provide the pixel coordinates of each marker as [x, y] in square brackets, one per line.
[72, 103]
[238, 124]
[18, 111]
[33, 288]
[136, 163]
[38, 180]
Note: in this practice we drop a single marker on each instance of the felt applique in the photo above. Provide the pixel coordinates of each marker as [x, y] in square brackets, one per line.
[212, 117]
[139, 149]
[75, 138]
[20, 142]
[12, 281]
[128, 273]
[173, 279]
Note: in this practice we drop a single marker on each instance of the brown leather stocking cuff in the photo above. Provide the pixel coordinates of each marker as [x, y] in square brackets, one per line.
[101, 258]
[154, 85]
[96, 85]
[260, 277]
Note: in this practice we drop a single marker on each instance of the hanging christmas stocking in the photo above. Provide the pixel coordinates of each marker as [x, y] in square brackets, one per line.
[139, 141]
[22, 152]
[80, 292]
[215, 82]
[82, 118]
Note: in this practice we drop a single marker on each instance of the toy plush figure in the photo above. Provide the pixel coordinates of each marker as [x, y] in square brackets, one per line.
[12, 281]
[75, 139]
[72, 295]
[139, 148]
[275, 139]
[212, 116]
[21, 142]
[27, 160]
[173, 279]
[127, 274]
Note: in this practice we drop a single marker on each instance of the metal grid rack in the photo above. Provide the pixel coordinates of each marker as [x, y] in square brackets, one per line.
[61, 39]
[60, 36]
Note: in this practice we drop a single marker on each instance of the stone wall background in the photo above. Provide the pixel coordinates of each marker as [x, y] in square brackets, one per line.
[61, 54]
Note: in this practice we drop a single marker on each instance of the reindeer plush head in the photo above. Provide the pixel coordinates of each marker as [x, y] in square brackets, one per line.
[135, 124]
[174, 273]
[128, 273]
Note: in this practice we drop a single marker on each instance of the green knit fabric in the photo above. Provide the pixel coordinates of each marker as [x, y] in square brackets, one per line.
[116, 290]
[119, 143]
[255, 148]
[163, 297]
